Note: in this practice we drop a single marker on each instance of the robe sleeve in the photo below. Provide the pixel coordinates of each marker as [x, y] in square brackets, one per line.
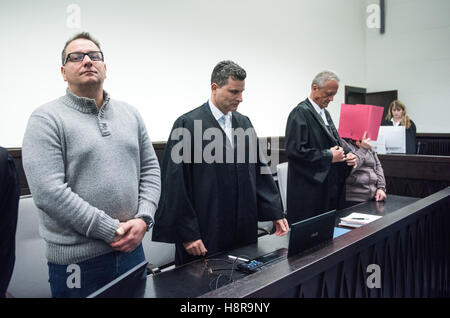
[268, 198]
[314, 164]
[175, 218]
[411, 142]
[267, 194]
[9, 200]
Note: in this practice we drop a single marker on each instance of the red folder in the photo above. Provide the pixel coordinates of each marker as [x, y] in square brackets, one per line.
[356, 119]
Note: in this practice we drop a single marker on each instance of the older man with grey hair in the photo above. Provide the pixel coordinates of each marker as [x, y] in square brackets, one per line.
[318, 161]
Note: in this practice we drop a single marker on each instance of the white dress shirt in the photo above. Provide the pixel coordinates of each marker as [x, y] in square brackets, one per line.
[224, 120]
[320, 111]
[395, 124]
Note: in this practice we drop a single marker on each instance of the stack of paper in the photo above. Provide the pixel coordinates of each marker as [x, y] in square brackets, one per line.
[358, 219]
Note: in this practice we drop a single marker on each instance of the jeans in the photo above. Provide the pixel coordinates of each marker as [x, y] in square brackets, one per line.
[72, 281]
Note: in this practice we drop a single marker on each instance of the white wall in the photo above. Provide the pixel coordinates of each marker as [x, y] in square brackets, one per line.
[413, 56]
[160, 54]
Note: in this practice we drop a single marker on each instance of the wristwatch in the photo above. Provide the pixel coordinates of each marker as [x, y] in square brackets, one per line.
[148, 220]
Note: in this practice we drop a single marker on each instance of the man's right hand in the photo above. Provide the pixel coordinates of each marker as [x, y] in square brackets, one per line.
[338, 154]
[196, 248]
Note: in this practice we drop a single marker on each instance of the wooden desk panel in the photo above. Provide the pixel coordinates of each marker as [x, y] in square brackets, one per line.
[433, 144]
[410, 244]
[415, 175]
[436, 168]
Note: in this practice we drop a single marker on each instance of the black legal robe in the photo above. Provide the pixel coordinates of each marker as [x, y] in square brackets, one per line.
[410, 138]
[9, 203]
[219, 203]
[315, 184]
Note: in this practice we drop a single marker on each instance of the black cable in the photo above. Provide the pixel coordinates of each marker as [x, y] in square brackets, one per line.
[220, 275]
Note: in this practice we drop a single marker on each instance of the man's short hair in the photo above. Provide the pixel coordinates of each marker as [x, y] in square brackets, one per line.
[224, 69]
[82, 35]
[323, 77]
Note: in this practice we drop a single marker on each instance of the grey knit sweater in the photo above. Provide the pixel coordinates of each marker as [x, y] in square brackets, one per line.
[88, 170]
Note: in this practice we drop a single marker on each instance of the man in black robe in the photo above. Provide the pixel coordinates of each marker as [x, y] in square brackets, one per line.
[214, 185]
[318, 164]
[9, 203]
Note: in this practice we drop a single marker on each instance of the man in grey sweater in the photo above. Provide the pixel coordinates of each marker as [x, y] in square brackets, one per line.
[93, 174]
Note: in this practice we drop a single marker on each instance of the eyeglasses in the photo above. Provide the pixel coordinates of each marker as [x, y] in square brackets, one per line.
[79, 56]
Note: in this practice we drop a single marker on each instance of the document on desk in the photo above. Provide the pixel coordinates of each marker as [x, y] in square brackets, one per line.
[358, 219]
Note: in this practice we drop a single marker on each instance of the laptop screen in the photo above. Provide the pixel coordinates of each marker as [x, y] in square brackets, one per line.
[311, 232]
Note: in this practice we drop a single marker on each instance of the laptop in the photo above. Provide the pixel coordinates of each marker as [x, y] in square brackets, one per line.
[305, 235]
[311, 232]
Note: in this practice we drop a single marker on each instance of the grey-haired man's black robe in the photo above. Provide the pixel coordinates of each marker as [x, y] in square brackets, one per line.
[315, 184]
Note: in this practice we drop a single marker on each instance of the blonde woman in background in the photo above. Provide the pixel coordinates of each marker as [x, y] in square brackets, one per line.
[397, 116]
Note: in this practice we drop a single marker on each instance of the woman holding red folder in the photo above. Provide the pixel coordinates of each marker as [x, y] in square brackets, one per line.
[366, 181]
